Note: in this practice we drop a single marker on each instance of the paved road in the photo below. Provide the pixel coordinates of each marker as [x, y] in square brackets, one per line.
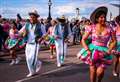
[72, 71]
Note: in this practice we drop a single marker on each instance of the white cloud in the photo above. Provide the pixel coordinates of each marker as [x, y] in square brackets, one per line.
[23, 10]
[68, 8]
[64, 9]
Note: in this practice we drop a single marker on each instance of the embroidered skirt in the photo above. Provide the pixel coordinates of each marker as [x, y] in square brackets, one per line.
[98, 56]
[11, 43]
[51, 40]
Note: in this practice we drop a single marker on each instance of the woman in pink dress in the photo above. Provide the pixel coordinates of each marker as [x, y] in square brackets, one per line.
[97, 53]
[51, 38]
[116, 68]
[12, 43]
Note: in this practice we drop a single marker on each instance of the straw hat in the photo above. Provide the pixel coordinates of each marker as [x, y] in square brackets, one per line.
[61, 19]
[97, 11]
[35, 13]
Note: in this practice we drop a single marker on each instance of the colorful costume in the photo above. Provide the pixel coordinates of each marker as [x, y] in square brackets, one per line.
[33, 33]
[51, 38]
[13, 40]
[118, 43]
[98, 48]
[61, 32]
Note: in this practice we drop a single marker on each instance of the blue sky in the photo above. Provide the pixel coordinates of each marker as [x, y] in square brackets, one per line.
[9, 8]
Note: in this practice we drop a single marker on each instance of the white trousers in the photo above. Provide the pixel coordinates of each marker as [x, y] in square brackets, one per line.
[61, 49]
[31, 52]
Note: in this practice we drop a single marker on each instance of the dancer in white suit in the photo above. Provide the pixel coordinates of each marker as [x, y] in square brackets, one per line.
[62, 32]
[34, 32]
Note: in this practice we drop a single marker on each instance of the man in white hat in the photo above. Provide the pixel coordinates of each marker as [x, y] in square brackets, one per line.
[34, 32]
[62, 32]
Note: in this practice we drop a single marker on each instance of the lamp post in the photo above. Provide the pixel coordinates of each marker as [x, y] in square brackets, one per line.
[77, 13]
[49, 13]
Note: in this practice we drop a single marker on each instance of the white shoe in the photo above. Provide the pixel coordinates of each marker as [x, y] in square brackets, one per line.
[30, 74]
[115, 74]
[17, 60]
[38, 67]
[13, 62]
[58, 65]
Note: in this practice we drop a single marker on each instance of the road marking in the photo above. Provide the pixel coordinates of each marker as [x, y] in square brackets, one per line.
[52, 71]
[48, 72]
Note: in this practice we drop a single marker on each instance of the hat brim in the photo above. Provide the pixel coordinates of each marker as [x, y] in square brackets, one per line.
[96, 11]
[34, 14]
[61, 20]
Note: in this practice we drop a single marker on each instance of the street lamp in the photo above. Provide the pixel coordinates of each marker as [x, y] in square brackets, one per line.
[49, 13]
[77, 13]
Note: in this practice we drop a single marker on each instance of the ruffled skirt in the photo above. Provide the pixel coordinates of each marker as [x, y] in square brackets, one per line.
[98, 56]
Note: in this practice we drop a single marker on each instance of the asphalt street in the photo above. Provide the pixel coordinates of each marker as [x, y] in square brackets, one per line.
[73, 70]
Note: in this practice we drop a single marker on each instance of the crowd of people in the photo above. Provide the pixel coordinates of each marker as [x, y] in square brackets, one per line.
[100, 40]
